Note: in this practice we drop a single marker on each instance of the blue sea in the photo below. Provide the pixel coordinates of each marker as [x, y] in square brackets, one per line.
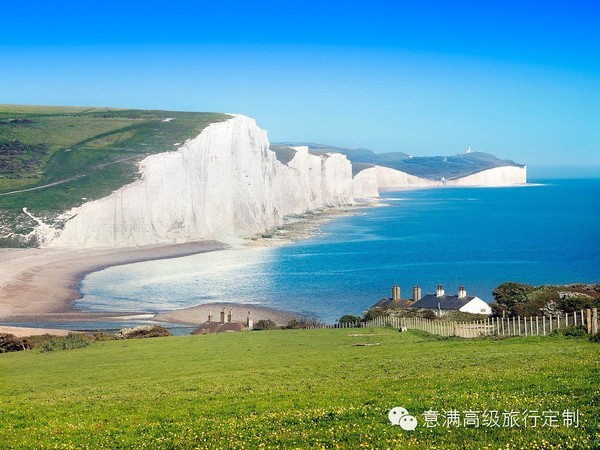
[544, 233]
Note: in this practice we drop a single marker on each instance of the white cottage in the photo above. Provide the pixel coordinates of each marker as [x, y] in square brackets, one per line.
[440, 303]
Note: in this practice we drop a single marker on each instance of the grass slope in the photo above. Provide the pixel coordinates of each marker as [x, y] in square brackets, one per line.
[63, 156]
[296, 388]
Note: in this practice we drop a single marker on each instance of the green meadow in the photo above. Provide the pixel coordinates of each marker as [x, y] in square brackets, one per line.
[297, 389]
[61, 157]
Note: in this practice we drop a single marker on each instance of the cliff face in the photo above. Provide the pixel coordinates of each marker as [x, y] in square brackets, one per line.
[224, 184]
[498, 176]
[368, 182]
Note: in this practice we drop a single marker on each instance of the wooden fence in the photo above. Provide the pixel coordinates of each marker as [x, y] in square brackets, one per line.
[497, 326]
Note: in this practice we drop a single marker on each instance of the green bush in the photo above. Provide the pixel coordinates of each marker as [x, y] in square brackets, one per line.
[68, 342]
[39, 339]
[264, 324]
[11, 343]
[295, 324]
[570, 304]
[374, 313]
[143, 331]
[571, 330]
[348, 318]
[101, 336]
[595, 337]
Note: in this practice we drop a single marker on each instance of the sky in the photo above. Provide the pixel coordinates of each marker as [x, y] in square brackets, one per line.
[517, 79]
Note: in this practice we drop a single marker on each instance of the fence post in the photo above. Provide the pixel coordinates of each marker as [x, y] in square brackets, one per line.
[544, 325]
[588, 313]
[595, 321]
[531, 325]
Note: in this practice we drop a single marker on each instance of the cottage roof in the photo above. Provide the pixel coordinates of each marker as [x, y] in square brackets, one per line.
[446, 302]
[390, 303]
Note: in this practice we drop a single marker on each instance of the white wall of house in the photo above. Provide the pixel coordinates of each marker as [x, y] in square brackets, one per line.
[477, 306]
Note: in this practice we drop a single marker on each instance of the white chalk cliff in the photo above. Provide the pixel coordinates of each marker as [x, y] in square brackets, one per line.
[497, 176]
[368, 182]
[225, 184]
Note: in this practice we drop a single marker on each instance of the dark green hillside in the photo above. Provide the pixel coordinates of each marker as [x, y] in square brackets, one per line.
[450, 167]
[432, 167]
[283, 153]
[54, 158]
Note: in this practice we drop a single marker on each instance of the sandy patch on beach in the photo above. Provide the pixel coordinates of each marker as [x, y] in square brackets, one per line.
[196, 315]
[23, 331]
[45, 281]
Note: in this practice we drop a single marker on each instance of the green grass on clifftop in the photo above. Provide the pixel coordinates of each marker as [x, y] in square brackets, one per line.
[61, 157]
[296, 389]
[90, 151]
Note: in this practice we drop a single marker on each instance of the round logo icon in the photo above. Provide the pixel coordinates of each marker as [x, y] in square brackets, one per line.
[400, 416]
[408, 422]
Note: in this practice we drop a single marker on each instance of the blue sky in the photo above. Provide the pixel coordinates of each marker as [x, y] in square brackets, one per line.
[517, 79]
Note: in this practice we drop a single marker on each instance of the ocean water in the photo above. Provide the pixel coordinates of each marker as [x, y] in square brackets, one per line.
[547, 233]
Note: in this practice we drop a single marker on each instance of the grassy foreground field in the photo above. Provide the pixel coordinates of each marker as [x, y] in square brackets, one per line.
[297, 388]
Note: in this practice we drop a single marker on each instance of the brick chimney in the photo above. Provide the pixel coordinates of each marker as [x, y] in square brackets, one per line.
[416, 294]
[462, 292]
[249, 321]
[223, 315]
[230, 315]
[440, 290]
[210, 316]
[395, 293]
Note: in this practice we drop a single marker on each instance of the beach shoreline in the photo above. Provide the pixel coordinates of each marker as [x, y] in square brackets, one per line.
[41, 285]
